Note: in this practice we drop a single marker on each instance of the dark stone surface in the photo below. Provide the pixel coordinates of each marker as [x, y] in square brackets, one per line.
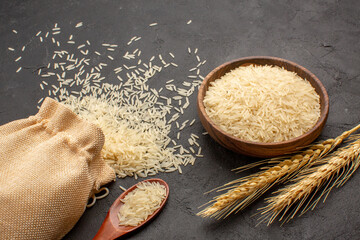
[322, 36]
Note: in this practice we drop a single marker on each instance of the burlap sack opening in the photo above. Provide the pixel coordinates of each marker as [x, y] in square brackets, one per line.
[50, 165]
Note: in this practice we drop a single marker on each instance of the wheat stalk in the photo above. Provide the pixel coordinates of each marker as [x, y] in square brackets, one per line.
[242, 192]
[335, 171]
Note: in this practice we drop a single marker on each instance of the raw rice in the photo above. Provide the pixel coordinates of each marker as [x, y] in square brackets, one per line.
[80, 24]
[262, 104]
[133, 98]
[141, 202]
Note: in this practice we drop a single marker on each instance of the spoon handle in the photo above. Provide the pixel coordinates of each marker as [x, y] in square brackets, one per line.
[107, 231]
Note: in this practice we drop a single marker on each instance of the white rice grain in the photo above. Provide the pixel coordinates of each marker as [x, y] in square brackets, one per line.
[80, 24]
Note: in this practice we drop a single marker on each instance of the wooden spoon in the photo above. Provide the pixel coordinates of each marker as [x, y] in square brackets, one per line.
[110, 229]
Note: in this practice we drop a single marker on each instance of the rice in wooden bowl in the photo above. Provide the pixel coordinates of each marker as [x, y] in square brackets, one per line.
[262, 106]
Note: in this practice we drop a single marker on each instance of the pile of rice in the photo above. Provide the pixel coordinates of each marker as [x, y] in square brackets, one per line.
[136, 135]
[140, 203]
[262, 104]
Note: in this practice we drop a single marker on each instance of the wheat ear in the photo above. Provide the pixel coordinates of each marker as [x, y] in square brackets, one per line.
[242, 192]
[335, 171]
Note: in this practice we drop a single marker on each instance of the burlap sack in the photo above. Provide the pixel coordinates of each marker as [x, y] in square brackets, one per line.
[50, 165]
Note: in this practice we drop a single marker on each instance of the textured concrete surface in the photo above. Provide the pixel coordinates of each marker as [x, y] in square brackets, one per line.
[322, 36]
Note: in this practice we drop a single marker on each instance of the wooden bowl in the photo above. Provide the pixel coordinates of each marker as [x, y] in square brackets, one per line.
[255, 149]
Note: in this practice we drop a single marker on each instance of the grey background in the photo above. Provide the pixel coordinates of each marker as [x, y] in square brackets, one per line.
[322, 36]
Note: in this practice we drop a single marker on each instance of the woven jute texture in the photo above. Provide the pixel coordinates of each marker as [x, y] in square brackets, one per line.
[50, 165]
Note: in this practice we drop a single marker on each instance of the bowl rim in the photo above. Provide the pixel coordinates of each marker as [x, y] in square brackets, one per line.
[323, 113]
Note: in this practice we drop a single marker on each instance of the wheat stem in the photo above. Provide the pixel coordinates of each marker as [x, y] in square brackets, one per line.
[242, 192]
[335, 171]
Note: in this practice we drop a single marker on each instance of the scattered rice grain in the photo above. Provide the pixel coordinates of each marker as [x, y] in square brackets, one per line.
[80, 24]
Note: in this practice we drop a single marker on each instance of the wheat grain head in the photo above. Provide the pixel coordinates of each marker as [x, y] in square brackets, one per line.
[242, 192]
[334, 172]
